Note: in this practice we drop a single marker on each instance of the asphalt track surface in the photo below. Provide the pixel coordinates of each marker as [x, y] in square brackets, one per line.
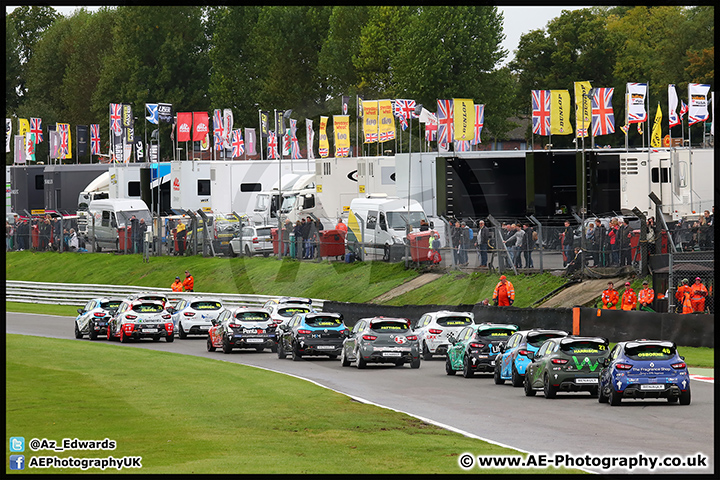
[572, 423]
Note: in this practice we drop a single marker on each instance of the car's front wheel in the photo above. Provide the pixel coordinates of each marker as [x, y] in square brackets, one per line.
[467, 371]
[210, 346]
[78, 334]
[529, 391]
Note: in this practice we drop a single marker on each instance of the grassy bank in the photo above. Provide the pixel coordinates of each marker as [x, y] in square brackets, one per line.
[186, 414]
[359, 282]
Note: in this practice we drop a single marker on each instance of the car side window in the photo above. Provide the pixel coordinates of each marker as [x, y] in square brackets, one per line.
[616, 352]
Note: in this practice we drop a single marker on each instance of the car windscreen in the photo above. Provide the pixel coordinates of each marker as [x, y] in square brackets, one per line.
[111, 305]
[147, 308]
[537, 339]
[650, 352]
[263, 232]
[399, 220]
[499, 333]
[206, 305]
[589, 347]
[389, 327]
[253, 316]
[290, 311]
[323, 322]
[124, 216]
[455, 321]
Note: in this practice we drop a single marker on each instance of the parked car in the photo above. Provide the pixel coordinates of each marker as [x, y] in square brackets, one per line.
[194, 316]
[474, 349]
[92, 320]
[566, 364]
[644, 369]
[313, 333]
[381, 340]
[253, 240]
[433, 330]
[512, 360]
[136, 319]
[242, 327]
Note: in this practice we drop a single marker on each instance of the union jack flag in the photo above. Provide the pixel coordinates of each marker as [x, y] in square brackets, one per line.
[323, 152]
[342, 152]
[387, 136]
[462, 145]
[479, 122]
[603, 119]
[294, 144]
[64, 129]
[115, 118]
[238, 144]
[445, 121]
[36, 128]
[272, 145]
[371, 137]
[683, 108]
[404, 109]
[218, 130]
[94, 139]
[541, 112]
[431, 131]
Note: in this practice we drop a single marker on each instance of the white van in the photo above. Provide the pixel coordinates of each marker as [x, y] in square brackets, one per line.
[381, 223]
[111, 214]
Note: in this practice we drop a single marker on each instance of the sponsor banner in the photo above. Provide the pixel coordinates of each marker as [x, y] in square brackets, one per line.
[341, 130]
[386, 121]
[184, 126]
[560, 113]
[464, 119]
[201, 126]
[370, 120]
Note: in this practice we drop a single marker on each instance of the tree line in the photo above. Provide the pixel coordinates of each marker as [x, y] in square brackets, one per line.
[304, 58]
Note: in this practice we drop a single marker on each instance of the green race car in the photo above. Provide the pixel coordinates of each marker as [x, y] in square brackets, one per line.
[568, 363]
[475, 348]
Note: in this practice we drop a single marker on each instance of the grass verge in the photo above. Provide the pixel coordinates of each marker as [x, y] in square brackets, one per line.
[186, 414]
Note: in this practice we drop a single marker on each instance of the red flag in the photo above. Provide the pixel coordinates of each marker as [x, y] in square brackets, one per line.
[201, 126]
[184, 126]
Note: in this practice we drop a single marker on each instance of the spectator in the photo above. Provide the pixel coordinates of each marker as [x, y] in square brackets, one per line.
[504, 293]
[423, 225]
[576, 263]
[566, 240]
[610, 297]
[135, 234]
[73, 241]
[485, 303]
[181, 235]
[298, 231]
[287, 226]
[435, 245]
[456, 239]
[614, 243]
[341, 226]
[698, 292]
[589, 241]
[482, 240]
[529, 244]
[516, 242]
[646, 296]
[189, 282]
[629, 298]
[624, 235]
[140, 238]
[306, 238]
[8, 236]
[599, 234]
[464, 244]
[177, 285]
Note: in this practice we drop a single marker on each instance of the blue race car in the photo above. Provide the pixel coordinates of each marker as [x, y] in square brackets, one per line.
[511, 362]
[311, 333]
[644, 369]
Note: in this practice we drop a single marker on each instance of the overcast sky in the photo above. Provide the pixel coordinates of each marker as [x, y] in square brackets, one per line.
[518, 20]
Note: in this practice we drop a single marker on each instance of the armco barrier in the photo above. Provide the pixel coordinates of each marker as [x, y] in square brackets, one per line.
[696, 330]
[79, 294]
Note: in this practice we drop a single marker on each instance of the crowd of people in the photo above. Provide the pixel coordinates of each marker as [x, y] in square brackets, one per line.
[40, 233]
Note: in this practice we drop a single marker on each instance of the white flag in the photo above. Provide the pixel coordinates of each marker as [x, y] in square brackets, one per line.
[310, 137]
[636, 102]
[8, 132]
[697, 103]
[227, 127]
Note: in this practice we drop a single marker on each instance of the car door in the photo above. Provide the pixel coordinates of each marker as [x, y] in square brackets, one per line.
[117, 320]
[290, 332]
[506, 358]
[456, 350]
[350, 343]
[84, 318]
[179, 307]
[606, 373]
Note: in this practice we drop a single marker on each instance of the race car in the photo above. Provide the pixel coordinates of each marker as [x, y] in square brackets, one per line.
[136, 319]
[381, 340]
[282, 309]
[312, 333]
[433, 329]
[92, 320]
[510, 363]
[644, 369]
[242, 327]
[194, 316]
[474, 349]
[571, 364]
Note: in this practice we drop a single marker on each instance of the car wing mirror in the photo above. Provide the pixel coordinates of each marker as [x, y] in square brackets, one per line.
[214, 322]
[530, 356]
[501, 346]
[80, 311]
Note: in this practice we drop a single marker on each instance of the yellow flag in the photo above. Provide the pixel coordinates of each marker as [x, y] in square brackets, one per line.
[560, 113]
[464, 119]
[583, 108]
[370, 120]
[323, 144]
[656, 137]
[24, 126]
[341, 130]
[386, 121]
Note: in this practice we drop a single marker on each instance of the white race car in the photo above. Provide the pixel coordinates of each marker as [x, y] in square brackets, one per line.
[433, 328]
[194, 316]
